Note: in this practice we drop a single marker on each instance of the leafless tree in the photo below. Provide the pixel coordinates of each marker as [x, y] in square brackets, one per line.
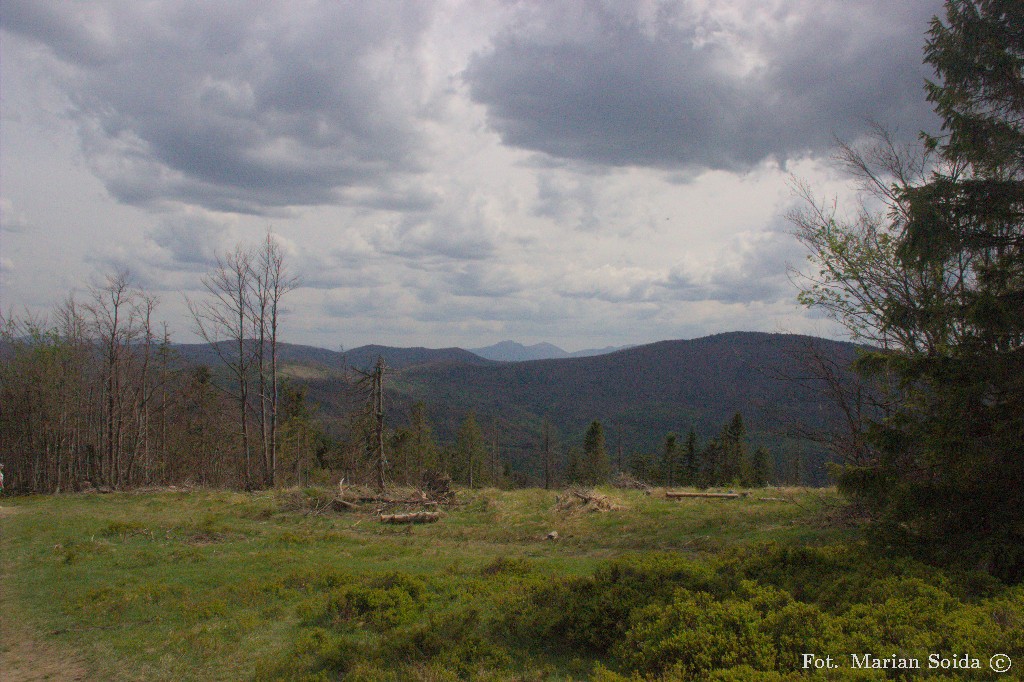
[114, 318]
[240, 320]
[270, 282]
[223, 321]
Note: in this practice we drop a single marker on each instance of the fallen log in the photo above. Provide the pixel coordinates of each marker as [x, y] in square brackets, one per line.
[338, 504]
[671, 494]
[417, 517]
[392, 500]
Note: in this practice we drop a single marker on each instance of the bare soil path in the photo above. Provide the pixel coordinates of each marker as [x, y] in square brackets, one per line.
[27, 655]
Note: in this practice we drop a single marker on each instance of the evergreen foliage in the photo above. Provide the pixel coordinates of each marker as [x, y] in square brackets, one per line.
[470, 454]
[414, 449]
[574, 470]
[670, 461]
[760, 468]
[594, 467]
[711, 457]
[641, 467]
[734, 450]
[691, 461]
[937, 281]
[302, 443]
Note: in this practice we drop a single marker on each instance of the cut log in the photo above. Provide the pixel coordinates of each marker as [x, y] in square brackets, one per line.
[418, 517]
[671, 494]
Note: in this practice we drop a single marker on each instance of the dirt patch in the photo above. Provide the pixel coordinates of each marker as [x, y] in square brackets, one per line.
[26, 655]
[27, 658]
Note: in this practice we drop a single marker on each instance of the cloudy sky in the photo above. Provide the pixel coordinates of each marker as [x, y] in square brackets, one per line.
[444, 173]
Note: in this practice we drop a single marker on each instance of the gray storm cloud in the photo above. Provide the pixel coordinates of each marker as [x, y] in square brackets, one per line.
[233, 106]
[603, 85]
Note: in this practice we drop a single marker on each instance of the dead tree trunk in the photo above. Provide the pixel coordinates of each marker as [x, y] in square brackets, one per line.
[723, 496]
[378, 413]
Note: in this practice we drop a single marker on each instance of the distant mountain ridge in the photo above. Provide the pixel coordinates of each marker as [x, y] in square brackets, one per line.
[399, 358]
[512, 351]
[363, 357]
[639, 393]
[642, 393]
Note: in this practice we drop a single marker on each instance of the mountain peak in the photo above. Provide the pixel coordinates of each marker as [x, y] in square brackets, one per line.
[513, 351]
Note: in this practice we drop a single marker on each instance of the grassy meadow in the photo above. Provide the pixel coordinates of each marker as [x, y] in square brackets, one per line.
[210, 585]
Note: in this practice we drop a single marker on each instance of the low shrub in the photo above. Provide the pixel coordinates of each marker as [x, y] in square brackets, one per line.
[458, 641]
[593, 612]
[359, 605]
[316, 655]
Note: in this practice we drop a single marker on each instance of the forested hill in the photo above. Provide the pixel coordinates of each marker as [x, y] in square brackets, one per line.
[364, 357]
[646, 390]
[640, 393]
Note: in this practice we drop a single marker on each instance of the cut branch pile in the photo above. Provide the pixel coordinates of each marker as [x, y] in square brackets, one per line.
[624, 481]
[384, 499]
[418, 497]
[577, 498]
[309, 503]
[437, 486]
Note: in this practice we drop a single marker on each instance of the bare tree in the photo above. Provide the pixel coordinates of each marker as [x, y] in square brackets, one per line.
[224, 321]
[143, 388]
[270, 282]
[114, 314]
[241, 321]
[95, 399]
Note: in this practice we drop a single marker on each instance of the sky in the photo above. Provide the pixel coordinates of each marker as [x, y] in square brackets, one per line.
[449, 173]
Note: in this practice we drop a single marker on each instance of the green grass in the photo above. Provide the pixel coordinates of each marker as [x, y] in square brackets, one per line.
[218, 585]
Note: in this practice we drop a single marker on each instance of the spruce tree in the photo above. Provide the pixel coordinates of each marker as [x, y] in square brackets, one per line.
[760, 468]
[712, 472]
[670, 461]
[470, 454]
[734, 450]
[970, 210]
[953, 453]
[640, 467]
[595, 457]
[937, 280]
[692, 462]
[426, 455]
[575, 471]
